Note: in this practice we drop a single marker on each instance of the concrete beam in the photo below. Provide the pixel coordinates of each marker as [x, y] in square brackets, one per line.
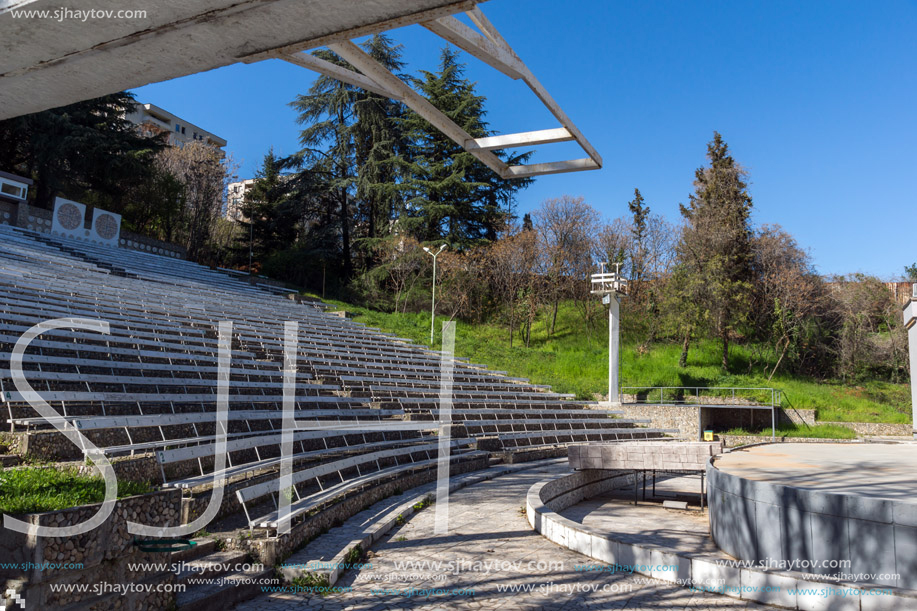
[45, 63]
[419, 104]
[543, 136]
[339, 73]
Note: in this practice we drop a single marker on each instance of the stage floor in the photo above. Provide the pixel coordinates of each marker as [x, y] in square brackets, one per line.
[885, 471]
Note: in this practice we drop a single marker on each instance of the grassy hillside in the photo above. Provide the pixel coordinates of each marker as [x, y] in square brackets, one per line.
[573, 361]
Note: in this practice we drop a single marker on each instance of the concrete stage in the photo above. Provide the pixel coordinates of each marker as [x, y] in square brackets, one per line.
[881, 471]
[820, 503]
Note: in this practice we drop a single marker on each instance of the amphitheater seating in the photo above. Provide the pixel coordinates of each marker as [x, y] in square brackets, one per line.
[367, 402]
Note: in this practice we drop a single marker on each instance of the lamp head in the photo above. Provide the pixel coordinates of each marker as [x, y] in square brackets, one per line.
[442, 248]
[426, 249]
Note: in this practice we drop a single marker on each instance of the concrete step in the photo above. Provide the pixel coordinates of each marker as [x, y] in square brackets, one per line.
[9, 460]
[204, 547]
[216, 563]
[225, 591]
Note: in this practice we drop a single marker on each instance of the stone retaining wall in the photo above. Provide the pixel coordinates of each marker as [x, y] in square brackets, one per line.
[685, 418]
[735, 441]
[877, 429]
[135, 241]
[103, 552]
[272, 550]
[7, 213]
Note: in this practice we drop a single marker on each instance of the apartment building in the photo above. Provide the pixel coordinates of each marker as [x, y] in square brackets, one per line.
[152, 120]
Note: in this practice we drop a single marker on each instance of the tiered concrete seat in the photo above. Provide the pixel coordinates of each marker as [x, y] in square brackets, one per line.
[149, 384]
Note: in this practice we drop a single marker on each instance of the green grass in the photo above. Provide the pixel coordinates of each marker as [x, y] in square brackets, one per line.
[576, 361]
[821, 431]
[37, 489]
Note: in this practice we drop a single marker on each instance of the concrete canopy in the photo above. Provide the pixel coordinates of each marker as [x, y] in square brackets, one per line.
[46, 62]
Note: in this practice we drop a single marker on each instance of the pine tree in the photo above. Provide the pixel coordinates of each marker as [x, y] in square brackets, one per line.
[640, 212]
[86, 150]
[453, 197]
[328, 151]
[267, 225]
[351, 144]
[380, 143]
[715, 249]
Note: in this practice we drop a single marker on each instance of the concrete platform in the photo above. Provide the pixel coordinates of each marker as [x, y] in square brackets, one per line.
[822, 504]
[881, 471]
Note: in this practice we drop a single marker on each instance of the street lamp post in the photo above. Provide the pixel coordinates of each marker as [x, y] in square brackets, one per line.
[611, 286]
[433, 302]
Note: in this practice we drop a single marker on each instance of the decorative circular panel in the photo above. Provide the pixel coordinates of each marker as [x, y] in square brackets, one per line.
[69, 216]
[107, 227]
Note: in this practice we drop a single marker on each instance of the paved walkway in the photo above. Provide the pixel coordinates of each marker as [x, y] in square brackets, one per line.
[491, 549]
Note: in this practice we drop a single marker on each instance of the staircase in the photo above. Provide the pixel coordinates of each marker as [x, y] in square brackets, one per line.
[216, 580]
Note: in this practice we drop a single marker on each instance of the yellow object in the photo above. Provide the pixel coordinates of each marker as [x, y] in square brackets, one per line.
[708, 435]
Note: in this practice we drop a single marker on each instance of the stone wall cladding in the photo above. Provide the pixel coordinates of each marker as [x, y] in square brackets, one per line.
[8, 213]
[141, 468]
[681, 417]
[691, 420]
[754, 520]
[135, 241]
[877, 429]
[666, 455]
[735, 441]
[104, 553]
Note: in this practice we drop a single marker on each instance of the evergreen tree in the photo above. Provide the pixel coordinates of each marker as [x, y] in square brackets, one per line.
[640, 212]
[350, 144]
[379, 142]
[86, 151]
[910, 271]
[328, 151]
[267, 224]
[715, 248]
[453, 197]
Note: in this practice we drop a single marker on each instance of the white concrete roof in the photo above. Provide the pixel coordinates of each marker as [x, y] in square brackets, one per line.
[45, 63]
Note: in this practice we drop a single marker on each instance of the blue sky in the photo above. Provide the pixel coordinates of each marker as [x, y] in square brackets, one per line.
[816, 100]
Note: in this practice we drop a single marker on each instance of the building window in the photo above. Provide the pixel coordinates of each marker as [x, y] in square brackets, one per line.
[11, 189]
[177, 127]
[182, 130]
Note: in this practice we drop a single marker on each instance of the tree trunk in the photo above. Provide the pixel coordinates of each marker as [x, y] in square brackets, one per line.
[786, 345]
[725, 351]
[345, 235]
[554, 317]
[683, 359]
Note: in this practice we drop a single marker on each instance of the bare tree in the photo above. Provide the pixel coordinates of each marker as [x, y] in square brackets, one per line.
[204, 172]
[511, 262]
[567, 228]
[789, 293]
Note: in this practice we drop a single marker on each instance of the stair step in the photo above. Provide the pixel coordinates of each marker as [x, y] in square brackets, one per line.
[204, 547]
[226, 591]
[9, 460]
[212, 564]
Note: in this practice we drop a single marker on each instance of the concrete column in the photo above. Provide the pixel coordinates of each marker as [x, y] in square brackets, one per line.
[614, 317]
[910, 321]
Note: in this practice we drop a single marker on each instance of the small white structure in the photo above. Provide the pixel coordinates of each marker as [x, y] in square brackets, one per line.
[910, 323]
[13, 188]
[69, 221]
[612, 287]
